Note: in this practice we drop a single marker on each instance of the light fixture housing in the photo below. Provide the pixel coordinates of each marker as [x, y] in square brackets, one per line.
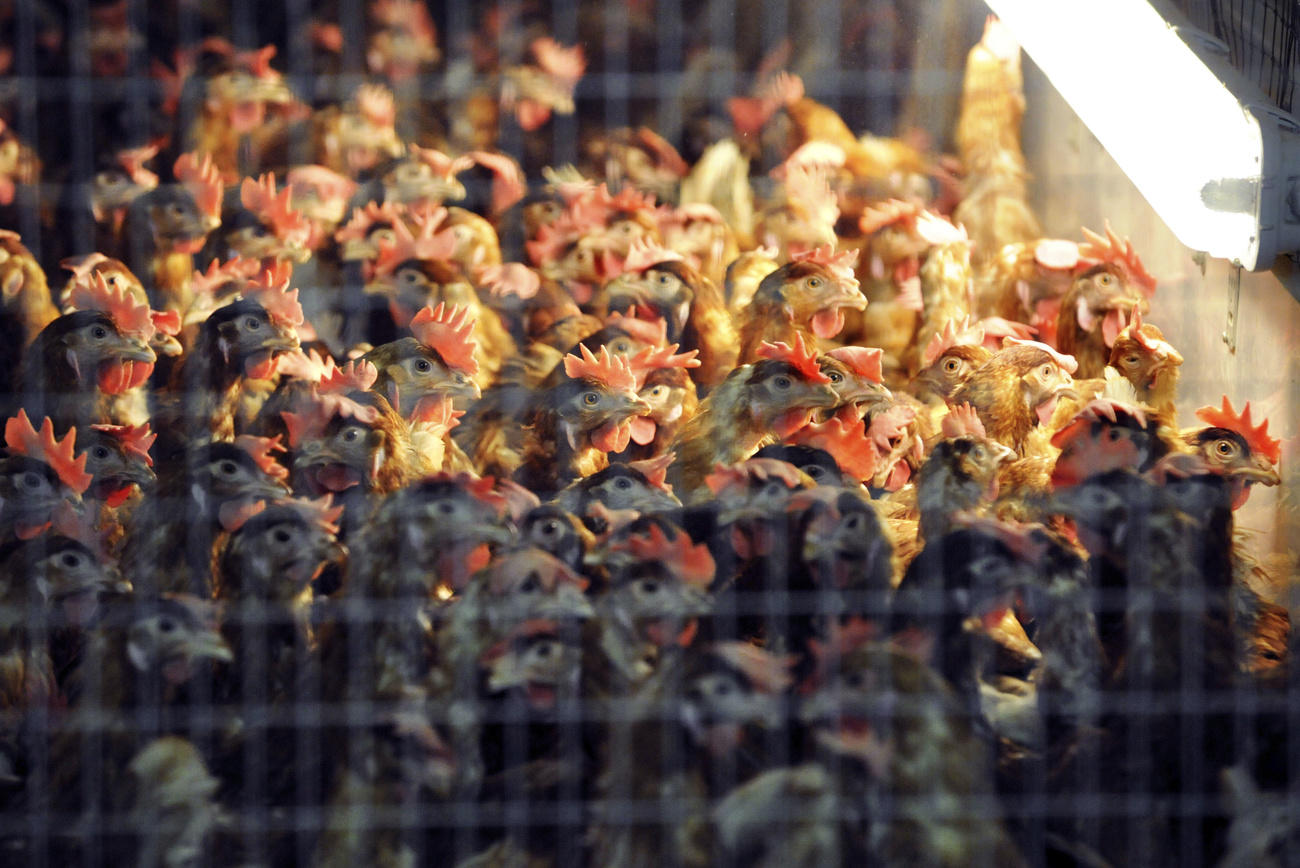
[1216, 161]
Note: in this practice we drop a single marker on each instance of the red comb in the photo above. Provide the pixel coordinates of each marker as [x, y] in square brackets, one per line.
[653, 331]
[312, 415]
[887, 213]
[375, 104]
[760, 469]
[808, 193]
[441, 164]
[690, 562]
[962, 421]
[428, 244]
[512, 278]
[320, 512]
[1057, 254]
[261, 450]
[564, 64]
[280, 302]
[1069, 363]
[450, 332]
[130, 316]
[362, 219]
[257, 61]
[1256, 437]
[307, 365]
[614, 371]
[133, 160]
[846, 442]
[937, 229]
[508, 183]
[273, 209]
[23, 439]
[656, 469]
[644, 253]
[953, 334]
[135, 439]
[219, 274]
[1111, 249]
[631, 199]
[863, 361]
[203, 180]
[840, 264]
[658, 358]
[665, 154]
[803, 359]
[357, 375]
[766, 671]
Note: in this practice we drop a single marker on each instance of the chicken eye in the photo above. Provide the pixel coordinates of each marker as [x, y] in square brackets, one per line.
[551, 527]
[531, 584]
[409, 277]
[1226, 448]
[783, 382]
[1132, 360]
[99, 332]
[978, 452]
[1105, 279]
[32, 480]
[166, 625]
[423, 366]
[1113, 434]
[543, 650]
[951, 366]
[71, 561]
[623, 483]
[813, 471]
[663, 279]
[657, 392]
[1046, 370]
[620, 347]
[100, 452]
[228, 468]
[351, 435]
[252, 323]
[591, 399]
[281, 535]
[445, 508]
[835, 377]
[648, 587]
[814, 282]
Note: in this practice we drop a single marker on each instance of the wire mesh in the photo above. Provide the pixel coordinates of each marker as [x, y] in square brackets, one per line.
[404, 715]
[1261, 36]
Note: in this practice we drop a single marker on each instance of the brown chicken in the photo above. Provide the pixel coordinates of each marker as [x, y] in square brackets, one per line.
[1237, 449]
[574, 426]
[1016, 389]
[959, 474]
[238, 342]
[658, 284]
[40, 479]
[995, 208]
[948, 360]
[27, 306]
[806, 298]
[1144, 358]
[757, 404]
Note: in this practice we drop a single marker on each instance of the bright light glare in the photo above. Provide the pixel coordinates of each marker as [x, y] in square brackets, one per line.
[1163, 116]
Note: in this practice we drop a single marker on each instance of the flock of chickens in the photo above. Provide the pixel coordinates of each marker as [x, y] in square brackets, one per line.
[399, 509]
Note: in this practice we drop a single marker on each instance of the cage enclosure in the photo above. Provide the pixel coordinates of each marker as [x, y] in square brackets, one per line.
[575, 433]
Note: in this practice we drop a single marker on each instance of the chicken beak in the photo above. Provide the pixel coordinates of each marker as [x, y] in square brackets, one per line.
[135, 351]
[1260, 471]
[167, 345]
[281, 341]
[206, 645]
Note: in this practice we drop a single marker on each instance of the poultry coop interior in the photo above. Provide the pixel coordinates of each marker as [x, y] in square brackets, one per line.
[662, 433]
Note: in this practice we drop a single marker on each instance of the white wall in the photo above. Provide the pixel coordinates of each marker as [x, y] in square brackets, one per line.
[1077, 184]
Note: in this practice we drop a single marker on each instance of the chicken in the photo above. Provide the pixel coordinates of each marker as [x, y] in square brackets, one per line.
[1016, 389]
[657, 283]
[637, 486]
[262, 226]
[39, 479]
[238, 342]
[1236, 449]
[805, 297]
[573, 426]
[48, 585]
[168, 225]
[358, 136]
[1105, 435]
[1093, 311]
[244, 109]
[27, 306]
[995, 208]
[349, 442]
[959, 474]
[948, 360]
[171, 537]
[888, 726]
[78, 362]
[757, 404]
[118, 460]
[143, 654]
[173, 816]
[1141, 354]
